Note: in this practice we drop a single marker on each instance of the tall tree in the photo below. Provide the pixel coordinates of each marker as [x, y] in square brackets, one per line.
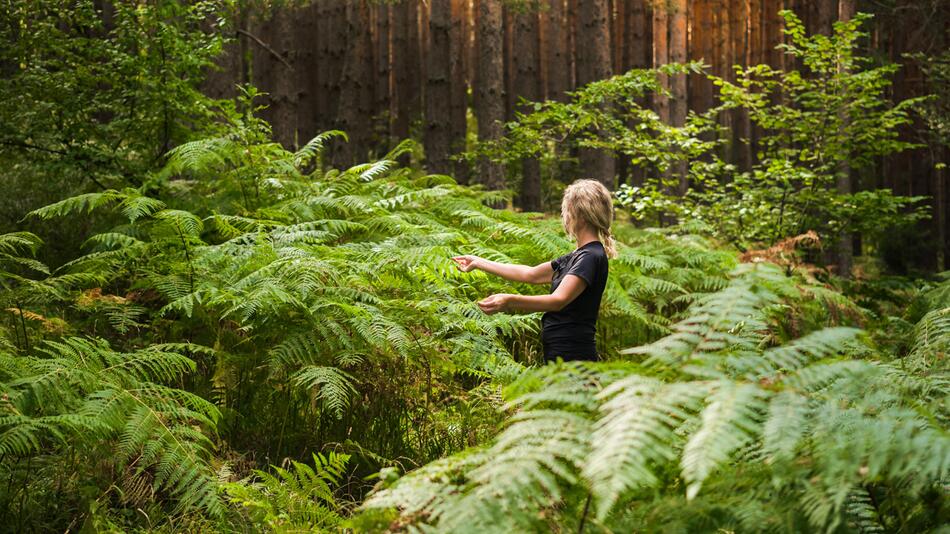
[356, 95]
[661, 32]
[527, 86]
[593, 63]
[678, 54]
[489, 87]
[845, 252]
[826, 12]
[402, 58]
[700, 91]
[556, 54]
[459, 58]
[383, 86]
[438, 89]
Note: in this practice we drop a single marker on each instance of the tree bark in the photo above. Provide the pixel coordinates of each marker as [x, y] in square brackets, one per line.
[700, 91]
[458, 54]
[356, 97]
[490, 105]
[527, 86]
[556, 52]
[383, 87]
[678, 83]
[438, 89]
[402, 86]
[661, 56]
[845, 259]
[593, 63]
[827, 13]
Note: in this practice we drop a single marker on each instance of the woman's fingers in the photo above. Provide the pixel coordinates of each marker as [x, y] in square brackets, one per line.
[464, 263]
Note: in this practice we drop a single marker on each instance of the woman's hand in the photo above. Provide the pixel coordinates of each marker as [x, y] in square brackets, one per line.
[466, 263]
[495, 303]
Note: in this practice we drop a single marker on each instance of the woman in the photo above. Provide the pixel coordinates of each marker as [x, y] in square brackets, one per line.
[577, 279]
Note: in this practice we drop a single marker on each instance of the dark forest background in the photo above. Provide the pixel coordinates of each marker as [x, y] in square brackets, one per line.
[386, 71]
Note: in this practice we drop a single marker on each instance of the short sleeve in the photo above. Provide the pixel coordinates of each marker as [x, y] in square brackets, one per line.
[584, 267]
[558, 263]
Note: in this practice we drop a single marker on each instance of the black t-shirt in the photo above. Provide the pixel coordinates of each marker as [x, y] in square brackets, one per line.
[569, 333]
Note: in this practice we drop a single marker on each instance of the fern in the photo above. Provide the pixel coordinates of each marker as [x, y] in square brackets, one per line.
[78, 393]
[711, 408]
[296, 498]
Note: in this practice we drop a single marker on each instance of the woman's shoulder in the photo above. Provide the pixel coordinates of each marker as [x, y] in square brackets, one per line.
[594, 249]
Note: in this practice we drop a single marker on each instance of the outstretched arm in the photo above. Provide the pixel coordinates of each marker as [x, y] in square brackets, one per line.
[568, 290]
[539, 274]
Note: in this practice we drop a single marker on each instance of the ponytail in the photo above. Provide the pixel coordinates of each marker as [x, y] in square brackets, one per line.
[610, 244]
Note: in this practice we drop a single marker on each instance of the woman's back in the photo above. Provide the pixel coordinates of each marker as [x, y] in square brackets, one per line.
[569, 333]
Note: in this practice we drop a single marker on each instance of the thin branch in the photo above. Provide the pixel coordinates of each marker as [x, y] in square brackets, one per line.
[265, 47]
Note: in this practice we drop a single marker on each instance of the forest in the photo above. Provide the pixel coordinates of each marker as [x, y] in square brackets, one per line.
[228, 299]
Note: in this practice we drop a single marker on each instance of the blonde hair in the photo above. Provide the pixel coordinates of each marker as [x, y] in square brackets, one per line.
[589, 202]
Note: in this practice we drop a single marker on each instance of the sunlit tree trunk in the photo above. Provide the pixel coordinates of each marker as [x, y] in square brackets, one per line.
[661, 57]
[678, 54]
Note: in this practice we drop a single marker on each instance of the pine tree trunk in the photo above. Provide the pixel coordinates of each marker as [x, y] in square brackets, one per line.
[414, 75]
[490, 105]
[845, 259]
[698, 87]
[745, 130]
[661, 56]
[678, 83]
[273, 73]
[356, 97]
[527, 86]
[827, 13]
[593, 63]
[556, 52]
[637, 46]
[438, 89]
[509, 64]
[307, 80]
[400, 65]
[940, 201]
[383, 88]
[458, 54]
[724, 38]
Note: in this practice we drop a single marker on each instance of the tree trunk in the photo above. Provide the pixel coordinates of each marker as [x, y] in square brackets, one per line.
[401, 55]
[272, 59]
[678, 83]
[661, 56]
[700, 90]
[827, 13]
[438, 89]
[383, 88]
[724, 47]
[490, 105]
[593, 63]
[527, 86]
[458, 54]
[556, 52]
[414, 65]
[356, 97]
[845, 259]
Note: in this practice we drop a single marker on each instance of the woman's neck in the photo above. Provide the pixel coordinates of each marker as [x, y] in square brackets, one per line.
[585, 236]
